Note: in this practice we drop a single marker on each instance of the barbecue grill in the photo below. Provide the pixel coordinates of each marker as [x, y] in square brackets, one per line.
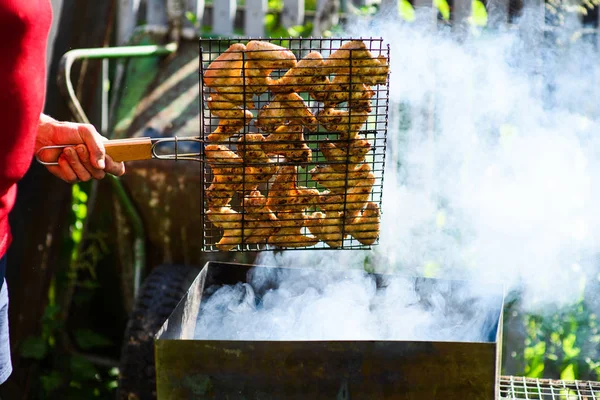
[187, 367]
[512, 387]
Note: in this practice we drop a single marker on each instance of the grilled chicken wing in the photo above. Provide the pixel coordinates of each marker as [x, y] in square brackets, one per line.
[288, 141]
[261, 168]
[228, 172]
[286, 195]
[224, 75]
[263, 58]
[340, 157]
[327, 227]
[307, 76]
[357, 94]
[348, 123]
[354, 57]
[339, 181]
[352, 200]
[231, 223]
[364, 226]
[260, 220]
[286, 108]
[232, 118]
[290, 234]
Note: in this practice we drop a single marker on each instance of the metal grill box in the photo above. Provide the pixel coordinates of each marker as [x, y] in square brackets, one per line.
[222, 369]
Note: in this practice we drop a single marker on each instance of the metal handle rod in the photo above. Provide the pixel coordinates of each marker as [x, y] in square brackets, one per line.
[70, 57]
[132, 149]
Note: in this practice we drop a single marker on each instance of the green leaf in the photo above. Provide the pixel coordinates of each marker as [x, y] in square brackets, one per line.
[443, 8]
[568, 373]
[82, 369]
[87, 339]
[51, 382]
[406, 10]
[190, 16]
[275, 4]
[569, 346]
[479, 15]
[34, 347]
[270, 21]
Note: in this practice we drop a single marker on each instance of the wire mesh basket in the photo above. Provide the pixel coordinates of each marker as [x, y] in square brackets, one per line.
[294, 137]
[512, 387]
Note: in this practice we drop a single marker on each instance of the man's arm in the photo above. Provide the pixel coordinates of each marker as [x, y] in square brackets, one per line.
[85, 160]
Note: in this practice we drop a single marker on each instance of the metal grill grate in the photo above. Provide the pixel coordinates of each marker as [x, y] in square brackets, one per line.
[512, 387]
[294, 133]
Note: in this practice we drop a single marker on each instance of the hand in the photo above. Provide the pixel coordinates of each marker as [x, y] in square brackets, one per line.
[85, 160]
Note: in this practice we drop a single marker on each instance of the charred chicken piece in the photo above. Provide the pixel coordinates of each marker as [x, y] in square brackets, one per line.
[261, 168]
[341, 158]
[348, 123]
[260, 220]
[286, 195]
[307, 76]
[228, 173]
[290, 234]
[352, 200]
[347, 88]
[340, 182]
[231, 223]
[327, 227]
[354, 57]
[224, 75]
[232, 118]
[263, 58]
[288, 141]
[286, 108]
[364, 226]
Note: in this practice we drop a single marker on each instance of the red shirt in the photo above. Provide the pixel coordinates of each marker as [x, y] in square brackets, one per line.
[24, 28]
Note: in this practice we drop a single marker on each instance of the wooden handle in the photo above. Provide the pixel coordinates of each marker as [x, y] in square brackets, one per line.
[129, 149]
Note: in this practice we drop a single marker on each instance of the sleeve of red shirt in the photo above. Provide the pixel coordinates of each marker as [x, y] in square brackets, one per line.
[24, 28]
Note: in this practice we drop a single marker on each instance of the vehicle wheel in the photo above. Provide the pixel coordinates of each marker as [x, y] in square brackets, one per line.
[157, 298]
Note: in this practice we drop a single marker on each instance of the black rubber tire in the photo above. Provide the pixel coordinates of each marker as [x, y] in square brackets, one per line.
[157, 298]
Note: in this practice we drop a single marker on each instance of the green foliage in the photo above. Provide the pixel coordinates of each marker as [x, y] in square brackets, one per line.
[34, 347]
[444, 8]
[63, 373]
[87, 339]
[479, 16]
[406, 10]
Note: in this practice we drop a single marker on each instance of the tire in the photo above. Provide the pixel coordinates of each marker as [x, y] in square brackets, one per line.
[157, 298]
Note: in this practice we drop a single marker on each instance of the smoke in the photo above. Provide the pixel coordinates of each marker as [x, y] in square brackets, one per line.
[492, 175]
[312, 301]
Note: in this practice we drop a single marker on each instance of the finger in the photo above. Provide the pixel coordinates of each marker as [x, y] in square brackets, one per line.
[66, 172]
[82, 173]
[93, 140]
[84, 157]
[113, 167]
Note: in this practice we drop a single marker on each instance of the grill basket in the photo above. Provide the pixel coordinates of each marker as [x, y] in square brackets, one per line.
[513, 387]
[294, 137]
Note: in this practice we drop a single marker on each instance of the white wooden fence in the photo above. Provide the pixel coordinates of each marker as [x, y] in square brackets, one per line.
[225, 16]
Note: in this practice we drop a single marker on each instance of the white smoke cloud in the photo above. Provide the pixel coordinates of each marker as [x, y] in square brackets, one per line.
[491, 176]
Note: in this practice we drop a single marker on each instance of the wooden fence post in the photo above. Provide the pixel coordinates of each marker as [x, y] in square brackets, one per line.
[156, 12]
[223, 17]
[461, 11]
[293, 13]
[254, 18]
[497, 13]
[128, 11]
